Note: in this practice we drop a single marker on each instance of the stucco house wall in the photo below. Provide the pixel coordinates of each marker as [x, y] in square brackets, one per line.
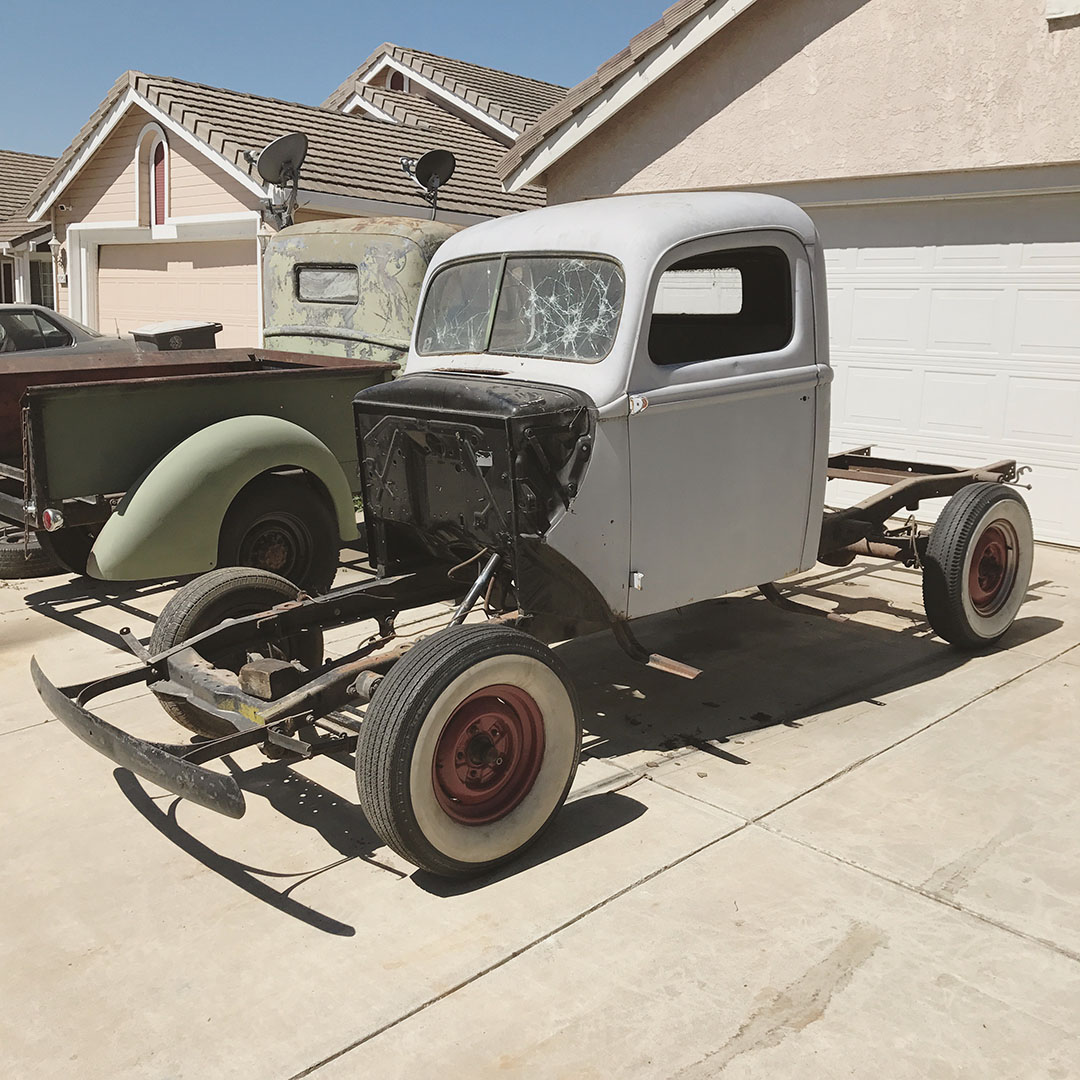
[807, 89]
[936, 145]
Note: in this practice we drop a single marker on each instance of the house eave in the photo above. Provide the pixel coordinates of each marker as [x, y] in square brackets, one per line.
[517, 171]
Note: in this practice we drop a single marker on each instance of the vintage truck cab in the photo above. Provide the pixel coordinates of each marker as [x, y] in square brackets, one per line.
[609, 409]
[655, 357]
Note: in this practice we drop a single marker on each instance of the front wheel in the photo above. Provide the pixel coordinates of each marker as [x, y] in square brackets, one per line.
[229, 593]
[978, 565]
[468, 749]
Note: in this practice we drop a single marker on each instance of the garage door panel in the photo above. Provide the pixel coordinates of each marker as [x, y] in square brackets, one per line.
[1047, 322]
[890, 319]
[956, 337]
[214, 281]
[962, 404]
[971, 256]
[1061, 256]
[966, 320]
[879, 396]
[1043, 411]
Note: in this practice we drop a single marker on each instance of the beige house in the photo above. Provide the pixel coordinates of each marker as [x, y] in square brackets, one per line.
[161, 212]
[26, 265]
[937, 147]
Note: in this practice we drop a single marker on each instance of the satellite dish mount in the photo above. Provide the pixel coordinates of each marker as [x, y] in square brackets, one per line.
[279, 166]
[431, 172]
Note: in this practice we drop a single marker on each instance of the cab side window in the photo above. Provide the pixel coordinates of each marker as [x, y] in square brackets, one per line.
[722, 304]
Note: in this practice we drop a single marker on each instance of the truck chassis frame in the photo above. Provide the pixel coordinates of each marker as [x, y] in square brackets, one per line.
[301, 718]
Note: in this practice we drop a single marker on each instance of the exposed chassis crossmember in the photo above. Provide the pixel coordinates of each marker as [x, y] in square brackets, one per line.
[862, 529]
[181, 674]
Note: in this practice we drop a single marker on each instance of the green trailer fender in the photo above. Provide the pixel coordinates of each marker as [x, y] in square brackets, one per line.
[168, 523]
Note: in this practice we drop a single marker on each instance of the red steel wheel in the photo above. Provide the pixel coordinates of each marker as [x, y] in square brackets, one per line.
[993, 564]
[468, 748]
[488, 755]
[978, 564]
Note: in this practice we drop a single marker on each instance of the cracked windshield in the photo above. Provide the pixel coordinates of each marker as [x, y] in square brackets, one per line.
[555, 307]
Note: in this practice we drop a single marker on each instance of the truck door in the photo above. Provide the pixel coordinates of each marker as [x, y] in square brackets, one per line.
[724, 412]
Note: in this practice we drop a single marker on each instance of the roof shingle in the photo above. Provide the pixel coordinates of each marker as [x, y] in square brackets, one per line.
[20, 174]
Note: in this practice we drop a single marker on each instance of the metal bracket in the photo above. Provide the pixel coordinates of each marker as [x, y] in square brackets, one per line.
[772, 594]
[636, 651]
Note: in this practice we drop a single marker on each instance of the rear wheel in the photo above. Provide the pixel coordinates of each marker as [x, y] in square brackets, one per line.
[281, 524]
[978, 565]
[228, 593]
[24, 557]
[468, 749]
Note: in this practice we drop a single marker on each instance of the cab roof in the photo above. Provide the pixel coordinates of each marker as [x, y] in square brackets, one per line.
[633, 228]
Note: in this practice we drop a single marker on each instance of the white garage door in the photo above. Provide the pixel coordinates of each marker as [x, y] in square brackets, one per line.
[211, 282]
[956, 337]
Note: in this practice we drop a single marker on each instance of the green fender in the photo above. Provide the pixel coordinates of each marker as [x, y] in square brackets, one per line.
[168, 523]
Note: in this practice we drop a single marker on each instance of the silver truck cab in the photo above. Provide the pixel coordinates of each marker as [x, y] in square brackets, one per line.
[691, 324]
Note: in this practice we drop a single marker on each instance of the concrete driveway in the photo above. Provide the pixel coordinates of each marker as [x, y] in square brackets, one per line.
[845, 850]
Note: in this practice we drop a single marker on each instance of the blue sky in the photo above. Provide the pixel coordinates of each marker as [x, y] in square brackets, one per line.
[71, 51]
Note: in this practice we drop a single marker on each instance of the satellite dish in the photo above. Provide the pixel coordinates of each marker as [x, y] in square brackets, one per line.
[280, 161]
[279, 165]
[434, 169]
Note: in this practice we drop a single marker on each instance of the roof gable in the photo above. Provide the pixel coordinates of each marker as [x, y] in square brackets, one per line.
[503, 101]
[683, 28]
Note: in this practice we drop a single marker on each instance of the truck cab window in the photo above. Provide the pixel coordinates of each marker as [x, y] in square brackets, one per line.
[721, 304]
[328, 284]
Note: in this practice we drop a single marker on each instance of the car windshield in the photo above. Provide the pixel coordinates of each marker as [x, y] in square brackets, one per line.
[555, 307]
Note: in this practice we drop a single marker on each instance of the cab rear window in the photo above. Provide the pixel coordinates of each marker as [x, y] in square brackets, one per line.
[328, 283]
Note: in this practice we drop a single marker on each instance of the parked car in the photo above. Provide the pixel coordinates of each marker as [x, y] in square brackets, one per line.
[33, 328]
[610, 409]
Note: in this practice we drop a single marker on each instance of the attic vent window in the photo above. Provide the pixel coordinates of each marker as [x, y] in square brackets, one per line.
[157, 182]
[396, 81]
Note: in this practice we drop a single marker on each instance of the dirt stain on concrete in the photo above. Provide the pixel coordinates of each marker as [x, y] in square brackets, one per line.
[797, 1006]
[951, 879]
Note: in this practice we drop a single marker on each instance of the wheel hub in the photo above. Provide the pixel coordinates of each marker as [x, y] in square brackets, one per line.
[271, 550]
[992, 568]
[488, 755]
[279, 544]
